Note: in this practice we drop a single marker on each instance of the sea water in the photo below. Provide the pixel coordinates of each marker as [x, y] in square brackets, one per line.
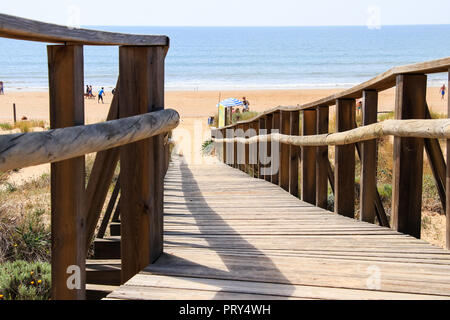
[221, 58]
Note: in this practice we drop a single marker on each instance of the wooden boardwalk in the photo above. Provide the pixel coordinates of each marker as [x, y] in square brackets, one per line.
[229, 236]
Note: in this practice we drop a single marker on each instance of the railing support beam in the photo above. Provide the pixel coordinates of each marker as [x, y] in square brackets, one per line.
[141, 90]
[294, 152]
[285, 128]
[276, 129]
[344, 173]
[369, 159]
[322, 159]
[408, 157]
[68, 220]
[308, 156]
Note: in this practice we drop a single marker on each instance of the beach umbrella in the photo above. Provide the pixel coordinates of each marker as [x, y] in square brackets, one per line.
[231, 102]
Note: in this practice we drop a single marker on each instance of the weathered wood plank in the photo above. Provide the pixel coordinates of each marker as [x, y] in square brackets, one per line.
[322, 160]
[26, 29]
[285, 128]
[142, 90]
[408, 157]
[369, 160]
[68, 221]
[276, 157]
[344, 173]
[308, 163]
[295, 154]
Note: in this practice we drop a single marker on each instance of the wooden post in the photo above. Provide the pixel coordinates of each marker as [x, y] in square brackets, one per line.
[368, 182]
[14, 113]
[447, 188]
[408, 157]
[246, 127]
[230, 147]
[68, 227]
[253, 150]
[261, 126]
[241, 148]
[224, 146]
[276, 128]
[269, 122]
[344, 195]
[141, 88]
[322, 159]
[235, 148]
[294, 153]
[309, 158]
[285, 161]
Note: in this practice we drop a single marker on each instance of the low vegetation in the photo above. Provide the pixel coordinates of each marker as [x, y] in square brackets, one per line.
[22, 280]
[23, 126]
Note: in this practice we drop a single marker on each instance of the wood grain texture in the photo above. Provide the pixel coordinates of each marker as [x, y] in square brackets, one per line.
[285, 161]
[447, 181]
[262, 150]
[29, 149]
[408, 157]
[267, 243]
[294, 153]
[308, 156]
[344, 167]
[141, 163]
[369, 159]
[269, 123]
[322, 160]
[68, 220]
[276, 156]
[26, 29]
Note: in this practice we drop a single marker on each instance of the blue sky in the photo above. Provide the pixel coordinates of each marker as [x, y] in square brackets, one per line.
[232, 12]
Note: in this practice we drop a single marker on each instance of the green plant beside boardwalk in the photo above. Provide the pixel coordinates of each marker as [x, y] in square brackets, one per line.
[22, 280]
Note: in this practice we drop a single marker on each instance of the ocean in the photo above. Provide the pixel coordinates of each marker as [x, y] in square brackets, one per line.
[222, 58]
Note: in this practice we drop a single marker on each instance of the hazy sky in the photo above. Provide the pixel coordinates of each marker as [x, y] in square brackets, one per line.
[232, 12]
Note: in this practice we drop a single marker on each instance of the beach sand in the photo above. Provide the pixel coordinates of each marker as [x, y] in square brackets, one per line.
[194, 108]
[196, 104]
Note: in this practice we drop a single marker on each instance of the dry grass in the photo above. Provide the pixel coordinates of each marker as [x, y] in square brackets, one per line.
[24, 125]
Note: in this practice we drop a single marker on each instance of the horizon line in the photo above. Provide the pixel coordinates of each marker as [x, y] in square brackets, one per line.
[266, 26]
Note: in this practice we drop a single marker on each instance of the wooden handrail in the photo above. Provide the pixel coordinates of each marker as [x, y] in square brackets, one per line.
[26, 29]
[29, 149]
[438, 129]
[381, 82]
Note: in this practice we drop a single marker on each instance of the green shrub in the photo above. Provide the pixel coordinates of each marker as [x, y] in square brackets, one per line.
[385, 191]
[21, 280]
[6, 126]
[25, 238]
[207, 148]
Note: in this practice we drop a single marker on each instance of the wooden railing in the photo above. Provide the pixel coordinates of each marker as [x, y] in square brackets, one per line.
[304, 138]
[137, 138]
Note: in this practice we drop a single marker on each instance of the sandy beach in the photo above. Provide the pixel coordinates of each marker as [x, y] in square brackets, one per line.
[196, 104]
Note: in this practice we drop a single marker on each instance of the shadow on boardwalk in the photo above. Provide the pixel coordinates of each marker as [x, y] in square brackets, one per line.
[242, 260]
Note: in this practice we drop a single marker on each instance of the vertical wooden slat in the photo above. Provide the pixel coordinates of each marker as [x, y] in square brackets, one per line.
[68, 220]
[369, 159]
[141, 163]
[344, 172]
[230, 147]
[322, 159]
[253, 149]
[235, 148]
[261, 127]
[269, 122]
[408, 157]
[437, 162]
[241, 147]
[294, 153]
[224, 146]
[276, 129]
[447, 193]
[285, 161]
[246, 127]
[309, 158]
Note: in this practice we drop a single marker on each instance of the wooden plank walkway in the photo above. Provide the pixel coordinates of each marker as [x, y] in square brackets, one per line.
[229, 236]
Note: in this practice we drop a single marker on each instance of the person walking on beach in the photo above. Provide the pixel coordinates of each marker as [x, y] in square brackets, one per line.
[1, 88]
[443, 89]
[100, 94]
[246, 105]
